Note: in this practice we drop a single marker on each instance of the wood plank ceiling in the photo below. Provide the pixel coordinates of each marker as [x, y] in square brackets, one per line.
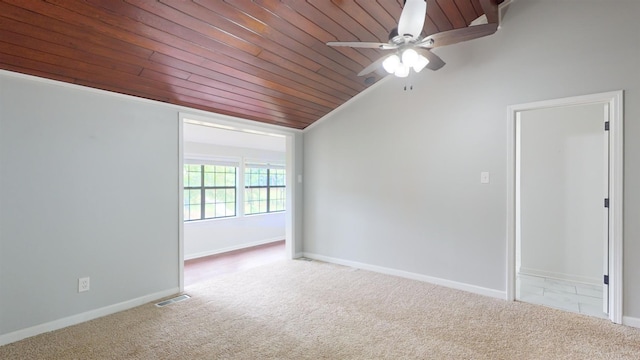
[263, 60]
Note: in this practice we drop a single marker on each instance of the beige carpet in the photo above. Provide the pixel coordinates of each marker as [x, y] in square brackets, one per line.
[313, 310]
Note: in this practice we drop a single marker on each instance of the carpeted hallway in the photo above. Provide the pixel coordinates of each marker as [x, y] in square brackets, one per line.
[314, 310]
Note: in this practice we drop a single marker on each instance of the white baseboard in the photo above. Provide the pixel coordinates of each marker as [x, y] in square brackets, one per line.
[414, 276]
[86, 316]
[631, 321]
[560, 276]
[231, 248]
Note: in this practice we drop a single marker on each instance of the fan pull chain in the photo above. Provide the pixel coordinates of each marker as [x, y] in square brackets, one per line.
[408, 85]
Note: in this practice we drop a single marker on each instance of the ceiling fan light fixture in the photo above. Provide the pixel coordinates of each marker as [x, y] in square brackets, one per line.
[420, 63]
[391, 63]
[402, 70]
[410, 57]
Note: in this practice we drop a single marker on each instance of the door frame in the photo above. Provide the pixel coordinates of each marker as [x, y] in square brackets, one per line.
[292, 167]
[614, 100]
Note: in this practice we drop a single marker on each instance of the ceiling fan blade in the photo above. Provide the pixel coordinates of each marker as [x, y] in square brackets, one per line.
[373, 66]
[457, 35]
[368, 45]
[435, 62]
[490, 8]
[412, 18]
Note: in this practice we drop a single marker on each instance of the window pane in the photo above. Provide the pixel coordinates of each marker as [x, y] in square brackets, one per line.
[209, 211]
[231, 208]
[255, 200]
[226, 176]
[218, 185]
[250, 208]
[219, 179]
[208, 179]
[220, 210]
[263, 178]
[255, 177]
[191, 175]
[276, 177]
[185, 197]
[277, 193]
[231, 195]
[276, 199]
[256, 194]
[194, 197]
[194, 179]
[209, 175]
[230, 205]
[186, 213]
[209, 196]
[220, 203]
[264, 190]
[230, 179]
[220, 196]
[194, 211]
[250, 194]
[192, 204]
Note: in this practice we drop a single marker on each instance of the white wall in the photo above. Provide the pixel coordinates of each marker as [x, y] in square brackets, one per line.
[297, 205]
[88, 187]
[562, 187]
[392, 178]
[207, 237]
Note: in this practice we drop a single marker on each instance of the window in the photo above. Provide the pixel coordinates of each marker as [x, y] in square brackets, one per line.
[265, 190]
[209, 191]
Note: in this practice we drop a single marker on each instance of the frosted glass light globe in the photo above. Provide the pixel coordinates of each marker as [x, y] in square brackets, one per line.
[409, 57]
[420, 63]
[402, 70]
[391, 63]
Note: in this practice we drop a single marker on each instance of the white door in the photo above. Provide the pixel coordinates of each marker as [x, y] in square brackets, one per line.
[561, 187]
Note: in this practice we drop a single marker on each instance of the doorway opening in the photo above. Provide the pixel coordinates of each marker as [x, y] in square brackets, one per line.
[236, 194]
[565, 204]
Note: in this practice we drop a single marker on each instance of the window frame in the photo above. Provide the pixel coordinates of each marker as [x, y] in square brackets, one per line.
[203, 189]
[267, 187]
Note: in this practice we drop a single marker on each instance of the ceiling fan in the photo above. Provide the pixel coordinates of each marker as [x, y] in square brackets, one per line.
[413, 51]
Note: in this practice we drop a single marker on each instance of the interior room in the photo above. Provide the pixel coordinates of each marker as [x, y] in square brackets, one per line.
[214, 239]
[417, 186]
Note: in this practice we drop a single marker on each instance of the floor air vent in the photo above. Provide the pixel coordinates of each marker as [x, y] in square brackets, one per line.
[174, 300]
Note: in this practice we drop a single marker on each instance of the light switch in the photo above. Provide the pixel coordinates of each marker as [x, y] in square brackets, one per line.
[484, 177]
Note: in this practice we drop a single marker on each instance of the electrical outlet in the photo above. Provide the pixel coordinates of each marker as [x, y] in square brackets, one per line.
[83, 284]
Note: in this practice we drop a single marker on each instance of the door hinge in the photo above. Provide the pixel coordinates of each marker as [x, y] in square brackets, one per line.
[606, 126]
[606, 203]
[606, 279]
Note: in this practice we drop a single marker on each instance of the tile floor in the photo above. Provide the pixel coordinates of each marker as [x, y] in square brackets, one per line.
[565, 295]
